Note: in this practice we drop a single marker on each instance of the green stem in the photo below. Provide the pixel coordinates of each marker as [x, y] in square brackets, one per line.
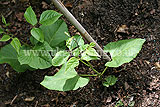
[84, 63]
[86, 75]
[91, 66]
[103, 71]
[24, 43]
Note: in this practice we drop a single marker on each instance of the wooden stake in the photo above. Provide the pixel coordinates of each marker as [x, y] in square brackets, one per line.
[80, 28]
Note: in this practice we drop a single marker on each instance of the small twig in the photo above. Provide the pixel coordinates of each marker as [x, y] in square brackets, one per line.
[57, 98]
[80, 28]
[13, 99]
[141, 1]
[36, 104]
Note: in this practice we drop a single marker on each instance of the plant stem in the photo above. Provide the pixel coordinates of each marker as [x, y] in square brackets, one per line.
[91, 66]
[103, 71]
[86, 75]
[84, 63]
[24, 43]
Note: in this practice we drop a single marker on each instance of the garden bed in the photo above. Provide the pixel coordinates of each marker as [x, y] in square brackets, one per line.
[106, 21]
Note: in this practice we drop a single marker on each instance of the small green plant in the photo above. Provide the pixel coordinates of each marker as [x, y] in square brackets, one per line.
[45, 38]
[52, 34]
[109, 81]
[6, 36]
[119, 104]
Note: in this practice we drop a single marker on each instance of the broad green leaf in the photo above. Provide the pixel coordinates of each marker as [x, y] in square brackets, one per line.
[72, 63]
[54, 34]
[38, 57]
[4, 20]
[1, 30]
[33, 40]
[109, 81]
[37, 34]
[87, 57]
[123, 51]
[74, 42]
[64, 80]
[60, 58]
[49, 17]
[76, 52]
[30, 16]
[45, 46]
[9, 55]
[16, 44]
[5, 38]
[91, 52]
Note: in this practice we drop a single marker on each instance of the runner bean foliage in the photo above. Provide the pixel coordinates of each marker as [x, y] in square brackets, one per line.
[51, 45]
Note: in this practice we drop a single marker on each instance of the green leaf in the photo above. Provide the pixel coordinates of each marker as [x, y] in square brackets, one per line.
[119, 104]
[38, 57]
[60, 58]
[43, 46]
[8, 24]
[92, 52]
[16, 44]
[92, 44]
[30, 16]
[72, 63]
[33, 40]
[4, 20]
[76, 52]
[123, 51]
[9, 55]
[74, 42]
[1, 30]
[84, 47]
[110, 80]
[89, 54]
[37, 34]
[64, 80]
[49, 17]
[54, 34]
[86, 57]
[5, 38]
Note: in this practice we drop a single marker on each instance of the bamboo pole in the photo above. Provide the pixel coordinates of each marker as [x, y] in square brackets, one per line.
[80, 28]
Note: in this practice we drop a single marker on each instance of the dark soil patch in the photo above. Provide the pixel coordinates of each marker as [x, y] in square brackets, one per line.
[138, 81]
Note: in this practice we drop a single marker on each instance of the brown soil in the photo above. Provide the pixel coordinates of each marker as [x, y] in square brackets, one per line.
[138, 81]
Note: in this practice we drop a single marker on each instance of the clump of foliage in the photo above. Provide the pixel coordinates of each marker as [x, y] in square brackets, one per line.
[52, 34]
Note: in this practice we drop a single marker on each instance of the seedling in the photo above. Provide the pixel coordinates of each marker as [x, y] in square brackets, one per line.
[109, 81]
[52, 34]
[119, 104]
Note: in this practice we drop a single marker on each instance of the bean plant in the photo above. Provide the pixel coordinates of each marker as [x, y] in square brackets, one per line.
[52, 45]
